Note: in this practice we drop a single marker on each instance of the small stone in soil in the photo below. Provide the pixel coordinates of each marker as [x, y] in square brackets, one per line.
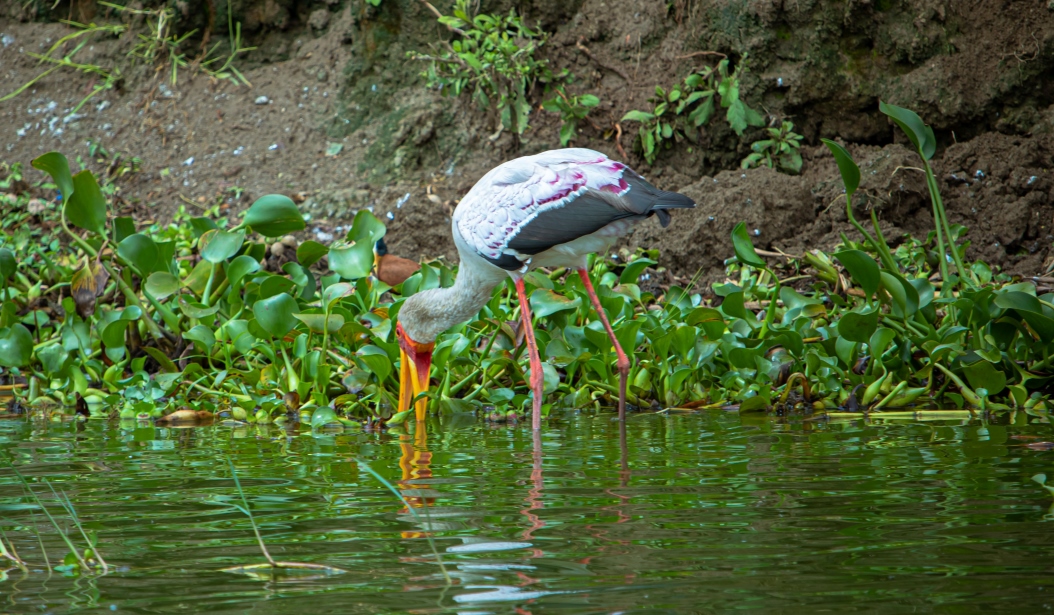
[262, 100]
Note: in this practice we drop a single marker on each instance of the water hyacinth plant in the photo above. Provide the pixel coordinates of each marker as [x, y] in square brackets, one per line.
[141, 322]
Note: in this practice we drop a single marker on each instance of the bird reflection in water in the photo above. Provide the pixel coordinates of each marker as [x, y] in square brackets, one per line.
[415, 461]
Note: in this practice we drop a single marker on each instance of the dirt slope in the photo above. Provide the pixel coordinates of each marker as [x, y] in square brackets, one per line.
[331, 76]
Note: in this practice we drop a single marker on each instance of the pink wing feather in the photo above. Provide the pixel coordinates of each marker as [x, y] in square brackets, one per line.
[516, 192]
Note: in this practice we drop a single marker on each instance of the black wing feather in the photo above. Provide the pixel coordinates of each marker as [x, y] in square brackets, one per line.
[588, 214]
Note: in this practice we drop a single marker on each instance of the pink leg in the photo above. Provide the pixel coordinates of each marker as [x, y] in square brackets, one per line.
[532, 351]
[623, 360]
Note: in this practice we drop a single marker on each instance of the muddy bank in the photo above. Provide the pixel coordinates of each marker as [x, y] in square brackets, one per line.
[338, 118]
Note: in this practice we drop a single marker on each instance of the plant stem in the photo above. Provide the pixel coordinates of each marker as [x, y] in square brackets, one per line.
[966, 275]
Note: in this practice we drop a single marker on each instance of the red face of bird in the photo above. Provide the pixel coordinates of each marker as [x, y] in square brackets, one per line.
[414, 368]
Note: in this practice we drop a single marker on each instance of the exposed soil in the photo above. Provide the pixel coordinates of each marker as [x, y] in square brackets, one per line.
[328, 75]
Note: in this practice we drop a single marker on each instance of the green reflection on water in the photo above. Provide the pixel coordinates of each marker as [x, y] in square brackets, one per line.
[705, 513]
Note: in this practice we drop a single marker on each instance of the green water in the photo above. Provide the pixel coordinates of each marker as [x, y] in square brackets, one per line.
[706, 513]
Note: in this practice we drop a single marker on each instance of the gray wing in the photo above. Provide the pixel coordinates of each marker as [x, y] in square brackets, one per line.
[587, 214]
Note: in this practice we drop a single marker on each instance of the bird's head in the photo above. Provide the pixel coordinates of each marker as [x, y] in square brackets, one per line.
[415, 364]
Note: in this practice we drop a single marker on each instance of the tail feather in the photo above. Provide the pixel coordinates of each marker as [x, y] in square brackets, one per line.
[673, 200]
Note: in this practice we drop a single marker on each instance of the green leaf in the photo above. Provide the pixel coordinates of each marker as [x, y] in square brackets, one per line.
[275, 285]
[737, 117]
[711, 321]
[140, 252]
[317, 322]
[86, 208]
[376, 361]
[56, 165]
[637, 116]
[324, 417]
[200, 226]
[334, 293]
[846, 166]
[240, 267]
[633, 270]
[920, 134]
[351, 261]
[863, 269]
[217, 246]
[702, 113]
[16, 345]
[123, 227]
[905, 297]
[857, 327]
[983, 375]
[54, 359]
[113, 332]
[880, 341]
[545, 302]
[399, 417]
[567, 132]
[366, 228]
[275, 314]
[309, 252]
[588, 100]
[1017, 300]
[744, 248]
[274, 215]
[8, 265]
[162, 360]
[202, 335]
[161, 285]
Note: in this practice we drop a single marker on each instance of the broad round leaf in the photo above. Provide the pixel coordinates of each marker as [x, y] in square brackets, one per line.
[545, 302]
[86, 208]
[633, 270]
[240, 267]
[376, 361]
[335, 292]
[217, 246]
[16, 346]
[275, 314]
[56, 165]
[905, 297]
[161, 285]
[324, 416]
[274, 285]
[274, 215]
[351, 262]
[309, 252]
[846, 166]
[862, 268]
[366, 227]
[857, 327]
[8, 265]
[53, 358]
[317, 322]
[983, 375]
[744, 248]
[139, 251]
[203, 335]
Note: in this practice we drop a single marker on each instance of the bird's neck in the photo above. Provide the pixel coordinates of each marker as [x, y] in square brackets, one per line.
[428, 313]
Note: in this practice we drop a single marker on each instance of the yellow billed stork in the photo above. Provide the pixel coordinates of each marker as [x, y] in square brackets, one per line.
[547, 210]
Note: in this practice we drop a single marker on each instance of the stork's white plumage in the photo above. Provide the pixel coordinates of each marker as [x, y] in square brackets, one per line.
[548, 210]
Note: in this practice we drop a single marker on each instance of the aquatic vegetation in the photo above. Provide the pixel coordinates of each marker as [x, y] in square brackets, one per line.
[780, 151]
[681, 112]
[142, 322]
[492, 60]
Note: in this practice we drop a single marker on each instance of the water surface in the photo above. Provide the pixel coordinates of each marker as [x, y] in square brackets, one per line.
[705, 513]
